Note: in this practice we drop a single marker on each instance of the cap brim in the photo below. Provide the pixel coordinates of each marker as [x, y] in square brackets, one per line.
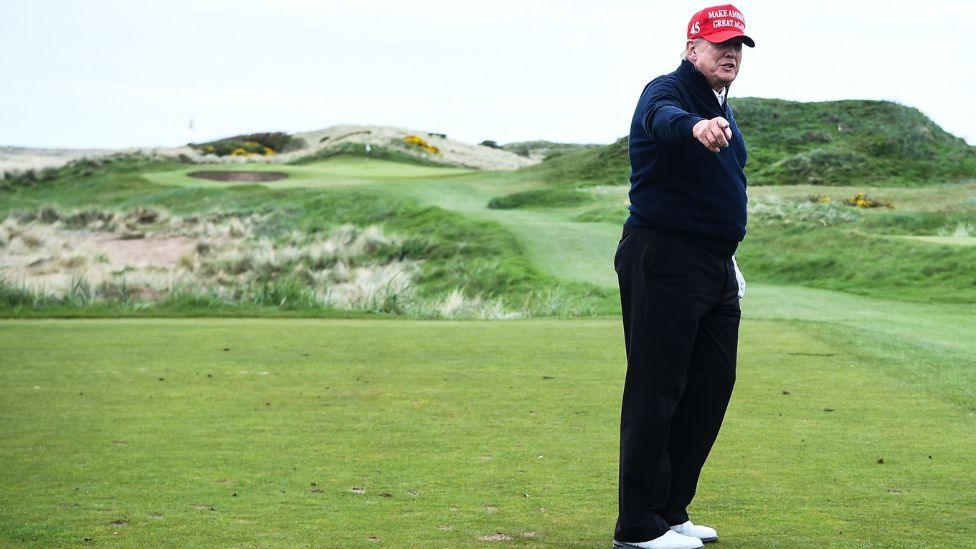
[722, 36]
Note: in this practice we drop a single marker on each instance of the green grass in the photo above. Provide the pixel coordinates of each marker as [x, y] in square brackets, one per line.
[544, 198]
[607, 165]
[866, 313]
[949, 240]
[829, 143]
[554, 257]
[848, 142]
[461, 248]
[453, 430]
[544, 149]
[343, 171]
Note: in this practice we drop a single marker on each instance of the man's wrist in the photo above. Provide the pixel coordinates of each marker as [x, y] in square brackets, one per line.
[692, 123]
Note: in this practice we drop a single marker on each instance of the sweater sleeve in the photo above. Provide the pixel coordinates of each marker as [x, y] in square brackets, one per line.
[663, 116]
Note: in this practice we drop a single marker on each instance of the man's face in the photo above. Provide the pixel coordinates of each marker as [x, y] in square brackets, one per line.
[718, 62]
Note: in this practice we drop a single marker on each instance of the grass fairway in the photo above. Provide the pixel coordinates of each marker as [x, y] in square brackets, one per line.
[557, 244]
[285, 432]
[853, 423]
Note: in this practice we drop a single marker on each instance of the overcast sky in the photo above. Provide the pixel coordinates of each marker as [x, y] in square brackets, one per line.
[114, 73]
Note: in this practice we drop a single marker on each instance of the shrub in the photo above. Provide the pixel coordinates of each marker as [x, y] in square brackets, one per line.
[422, 143]
[264, 144]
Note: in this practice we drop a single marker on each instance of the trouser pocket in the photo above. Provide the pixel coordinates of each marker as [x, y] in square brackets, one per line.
[655, 248]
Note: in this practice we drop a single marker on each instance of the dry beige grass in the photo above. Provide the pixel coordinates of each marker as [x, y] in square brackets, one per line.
[147, 254]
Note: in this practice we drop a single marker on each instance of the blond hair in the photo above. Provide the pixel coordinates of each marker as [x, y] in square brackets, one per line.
[684, 52]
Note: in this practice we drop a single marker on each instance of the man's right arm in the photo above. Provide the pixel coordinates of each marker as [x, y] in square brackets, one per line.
[670, 123]
[664, 117]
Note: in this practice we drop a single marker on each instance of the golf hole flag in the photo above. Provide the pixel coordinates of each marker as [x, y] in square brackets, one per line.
[718, 24]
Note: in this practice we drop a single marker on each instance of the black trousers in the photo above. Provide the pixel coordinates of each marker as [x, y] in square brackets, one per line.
[681, 325]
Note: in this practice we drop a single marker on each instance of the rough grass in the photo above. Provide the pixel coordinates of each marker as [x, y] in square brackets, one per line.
[540, 198]
[861, 263]
[475, 259]
[792, 240]
[148, 254]
[286, 433]
[791, 143]
[848, 142]
[607, 165]
[543, 261]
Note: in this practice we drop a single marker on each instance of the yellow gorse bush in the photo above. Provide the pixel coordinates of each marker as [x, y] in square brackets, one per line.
[861, 200]
[422, 143]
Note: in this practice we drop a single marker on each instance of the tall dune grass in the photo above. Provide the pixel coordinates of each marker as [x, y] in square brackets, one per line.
[68, 257]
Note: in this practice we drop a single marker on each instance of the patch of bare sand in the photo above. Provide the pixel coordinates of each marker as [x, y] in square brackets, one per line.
[53, 260]
[234, 175]
[156, 251]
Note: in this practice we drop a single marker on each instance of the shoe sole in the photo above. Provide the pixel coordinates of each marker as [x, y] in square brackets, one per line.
[625, 545]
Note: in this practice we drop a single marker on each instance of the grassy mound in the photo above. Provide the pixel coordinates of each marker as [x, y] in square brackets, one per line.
[849, 142]
[544, 149]
[544, 198]
[828, 143]
[262, 144]
[86, 168]
[376, 151]
[607, 165]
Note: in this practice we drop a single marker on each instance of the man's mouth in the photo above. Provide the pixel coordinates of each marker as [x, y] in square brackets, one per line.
[728, 66]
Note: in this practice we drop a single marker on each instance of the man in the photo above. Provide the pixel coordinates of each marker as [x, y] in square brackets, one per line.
[678, 283]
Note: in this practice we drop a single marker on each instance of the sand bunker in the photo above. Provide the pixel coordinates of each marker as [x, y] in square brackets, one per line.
[250, 177]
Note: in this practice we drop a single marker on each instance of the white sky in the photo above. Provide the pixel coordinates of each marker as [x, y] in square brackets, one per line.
[119, 73]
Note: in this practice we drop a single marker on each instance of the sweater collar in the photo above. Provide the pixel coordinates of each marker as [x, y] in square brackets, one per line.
[687, 72]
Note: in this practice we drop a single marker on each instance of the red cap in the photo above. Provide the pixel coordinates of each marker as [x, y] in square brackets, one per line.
[718, 24]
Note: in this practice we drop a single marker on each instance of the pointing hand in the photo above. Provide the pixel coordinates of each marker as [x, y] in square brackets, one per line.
[715, 134]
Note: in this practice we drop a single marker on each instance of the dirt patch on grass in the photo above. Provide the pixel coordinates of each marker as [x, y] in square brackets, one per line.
[78, 257]
[161, 251]
[245, 176]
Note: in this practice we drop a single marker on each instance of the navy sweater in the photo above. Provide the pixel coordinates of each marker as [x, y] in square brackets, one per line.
[676, 184]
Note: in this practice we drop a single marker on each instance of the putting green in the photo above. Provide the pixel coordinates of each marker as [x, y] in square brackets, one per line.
[339, 172]
[284, 432]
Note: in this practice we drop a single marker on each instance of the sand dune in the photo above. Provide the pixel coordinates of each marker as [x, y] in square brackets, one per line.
[450, 151]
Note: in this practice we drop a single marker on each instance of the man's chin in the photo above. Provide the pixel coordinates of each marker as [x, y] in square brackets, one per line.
[725, 80]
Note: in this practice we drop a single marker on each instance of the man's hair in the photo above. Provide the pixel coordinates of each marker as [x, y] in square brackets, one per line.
[684, 52]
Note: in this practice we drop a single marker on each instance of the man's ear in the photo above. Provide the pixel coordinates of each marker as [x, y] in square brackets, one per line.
[690, 52]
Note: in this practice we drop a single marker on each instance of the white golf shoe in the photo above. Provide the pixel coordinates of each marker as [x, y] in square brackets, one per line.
[670, 540]
[688, 528]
